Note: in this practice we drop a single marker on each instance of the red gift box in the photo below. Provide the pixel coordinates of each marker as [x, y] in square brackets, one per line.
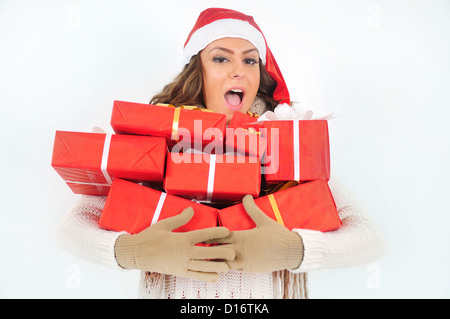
[191, 128]
[212, 178]
[243, 139]
[88, 162]
[242, 120]
[131, 207]
[296, 150]
[308, 206]
[245, 142]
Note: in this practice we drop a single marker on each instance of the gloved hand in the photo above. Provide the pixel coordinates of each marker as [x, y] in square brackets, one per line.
[158, 249]
[267, 247]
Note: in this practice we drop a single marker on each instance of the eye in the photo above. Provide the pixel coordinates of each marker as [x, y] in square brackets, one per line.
[250, 61]
[219, 59]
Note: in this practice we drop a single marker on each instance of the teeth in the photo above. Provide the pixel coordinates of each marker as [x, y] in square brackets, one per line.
[236, 90]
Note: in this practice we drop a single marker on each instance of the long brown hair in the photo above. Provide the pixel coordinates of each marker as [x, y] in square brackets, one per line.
[187, 88]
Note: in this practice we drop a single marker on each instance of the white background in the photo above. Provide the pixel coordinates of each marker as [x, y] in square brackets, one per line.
[381, 66]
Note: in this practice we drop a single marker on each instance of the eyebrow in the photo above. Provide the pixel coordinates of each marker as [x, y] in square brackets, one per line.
[231, 51]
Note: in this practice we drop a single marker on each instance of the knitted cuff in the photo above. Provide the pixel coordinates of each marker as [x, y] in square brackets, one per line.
[106, 248]
[314, 250]
[295, 251]
[125, 252]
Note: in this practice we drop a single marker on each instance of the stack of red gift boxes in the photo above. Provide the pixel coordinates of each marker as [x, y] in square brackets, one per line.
[162, 159]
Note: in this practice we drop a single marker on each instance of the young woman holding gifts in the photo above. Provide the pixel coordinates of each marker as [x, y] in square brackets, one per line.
[228, 68]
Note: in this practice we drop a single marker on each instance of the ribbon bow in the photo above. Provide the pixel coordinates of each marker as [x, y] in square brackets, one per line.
[251, 130]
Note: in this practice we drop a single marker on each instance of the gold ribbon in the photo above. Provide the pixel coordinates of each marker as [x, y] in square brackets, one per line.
[176, 116]
[273, 203]
[275, 209]
[253, 114]
[251, 130]
[175, 124]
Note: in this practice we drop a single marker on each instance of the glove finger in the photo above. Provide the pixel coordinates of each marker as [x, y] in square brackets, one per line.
[208, 266]
[203, 276]
[235, 265]
[255, 213]
[224, 240]
[177, 221]
[225, 252]
[202, 235]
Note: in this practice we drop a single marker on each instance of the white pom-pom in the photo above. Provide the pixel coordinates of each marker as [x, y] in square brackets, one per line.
[285, 111]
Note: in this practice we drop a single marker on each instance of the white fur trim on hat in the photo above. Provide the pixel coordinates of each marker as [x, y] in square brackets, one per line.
[224, 28]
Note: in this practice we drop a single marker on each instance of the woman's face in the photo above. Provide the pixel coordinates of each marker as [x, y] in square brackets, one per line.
[230, 75]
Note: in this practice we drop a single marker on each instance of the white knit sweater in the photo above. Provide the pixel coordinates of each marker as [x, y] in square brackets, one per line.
[357, 241]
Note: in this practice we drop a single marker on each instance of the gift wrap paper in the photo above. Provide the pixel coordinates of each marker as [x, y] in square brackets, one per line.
[212, 178]
[296, 150]
[89, 162]
[191, 128]
[132, 207]
[309, 206]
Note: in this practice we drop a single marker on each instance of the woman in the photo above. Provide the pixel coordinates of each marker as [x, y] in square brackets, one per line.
[229, 68]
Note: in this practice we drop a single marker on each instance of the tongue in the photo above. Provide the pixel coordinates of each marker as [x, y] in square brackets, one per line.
[233, 98]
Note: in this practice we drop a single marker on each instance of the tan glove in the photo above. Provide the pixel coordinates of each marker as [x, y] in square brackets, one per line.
[158, 249]
[267, 247]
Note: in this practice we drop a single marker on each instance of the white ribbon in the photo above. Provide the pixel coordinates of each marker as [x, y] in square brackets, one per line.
[211, 173]
[159, 207]
[105, 154]
[292, 112]
[296, 135]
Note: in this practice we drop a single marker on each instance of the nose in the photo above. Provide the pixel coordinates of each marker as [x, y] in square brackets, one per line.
[237, 70]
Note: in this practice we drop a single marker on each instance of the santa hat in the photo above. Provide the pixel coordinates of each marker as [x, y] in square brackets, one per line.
[216, 23]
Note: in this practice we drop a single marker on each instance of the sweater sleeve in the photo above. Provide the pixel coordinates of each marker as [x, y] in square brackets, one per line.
[358, 241]
[79, 233]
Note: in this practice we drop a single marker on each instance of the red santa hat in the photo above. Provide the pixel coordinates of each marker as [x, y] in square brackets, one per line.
[216, 23]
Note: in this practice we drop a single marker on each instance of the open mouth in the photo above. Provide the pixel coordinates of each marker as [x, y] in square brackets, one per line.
[234, 98]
